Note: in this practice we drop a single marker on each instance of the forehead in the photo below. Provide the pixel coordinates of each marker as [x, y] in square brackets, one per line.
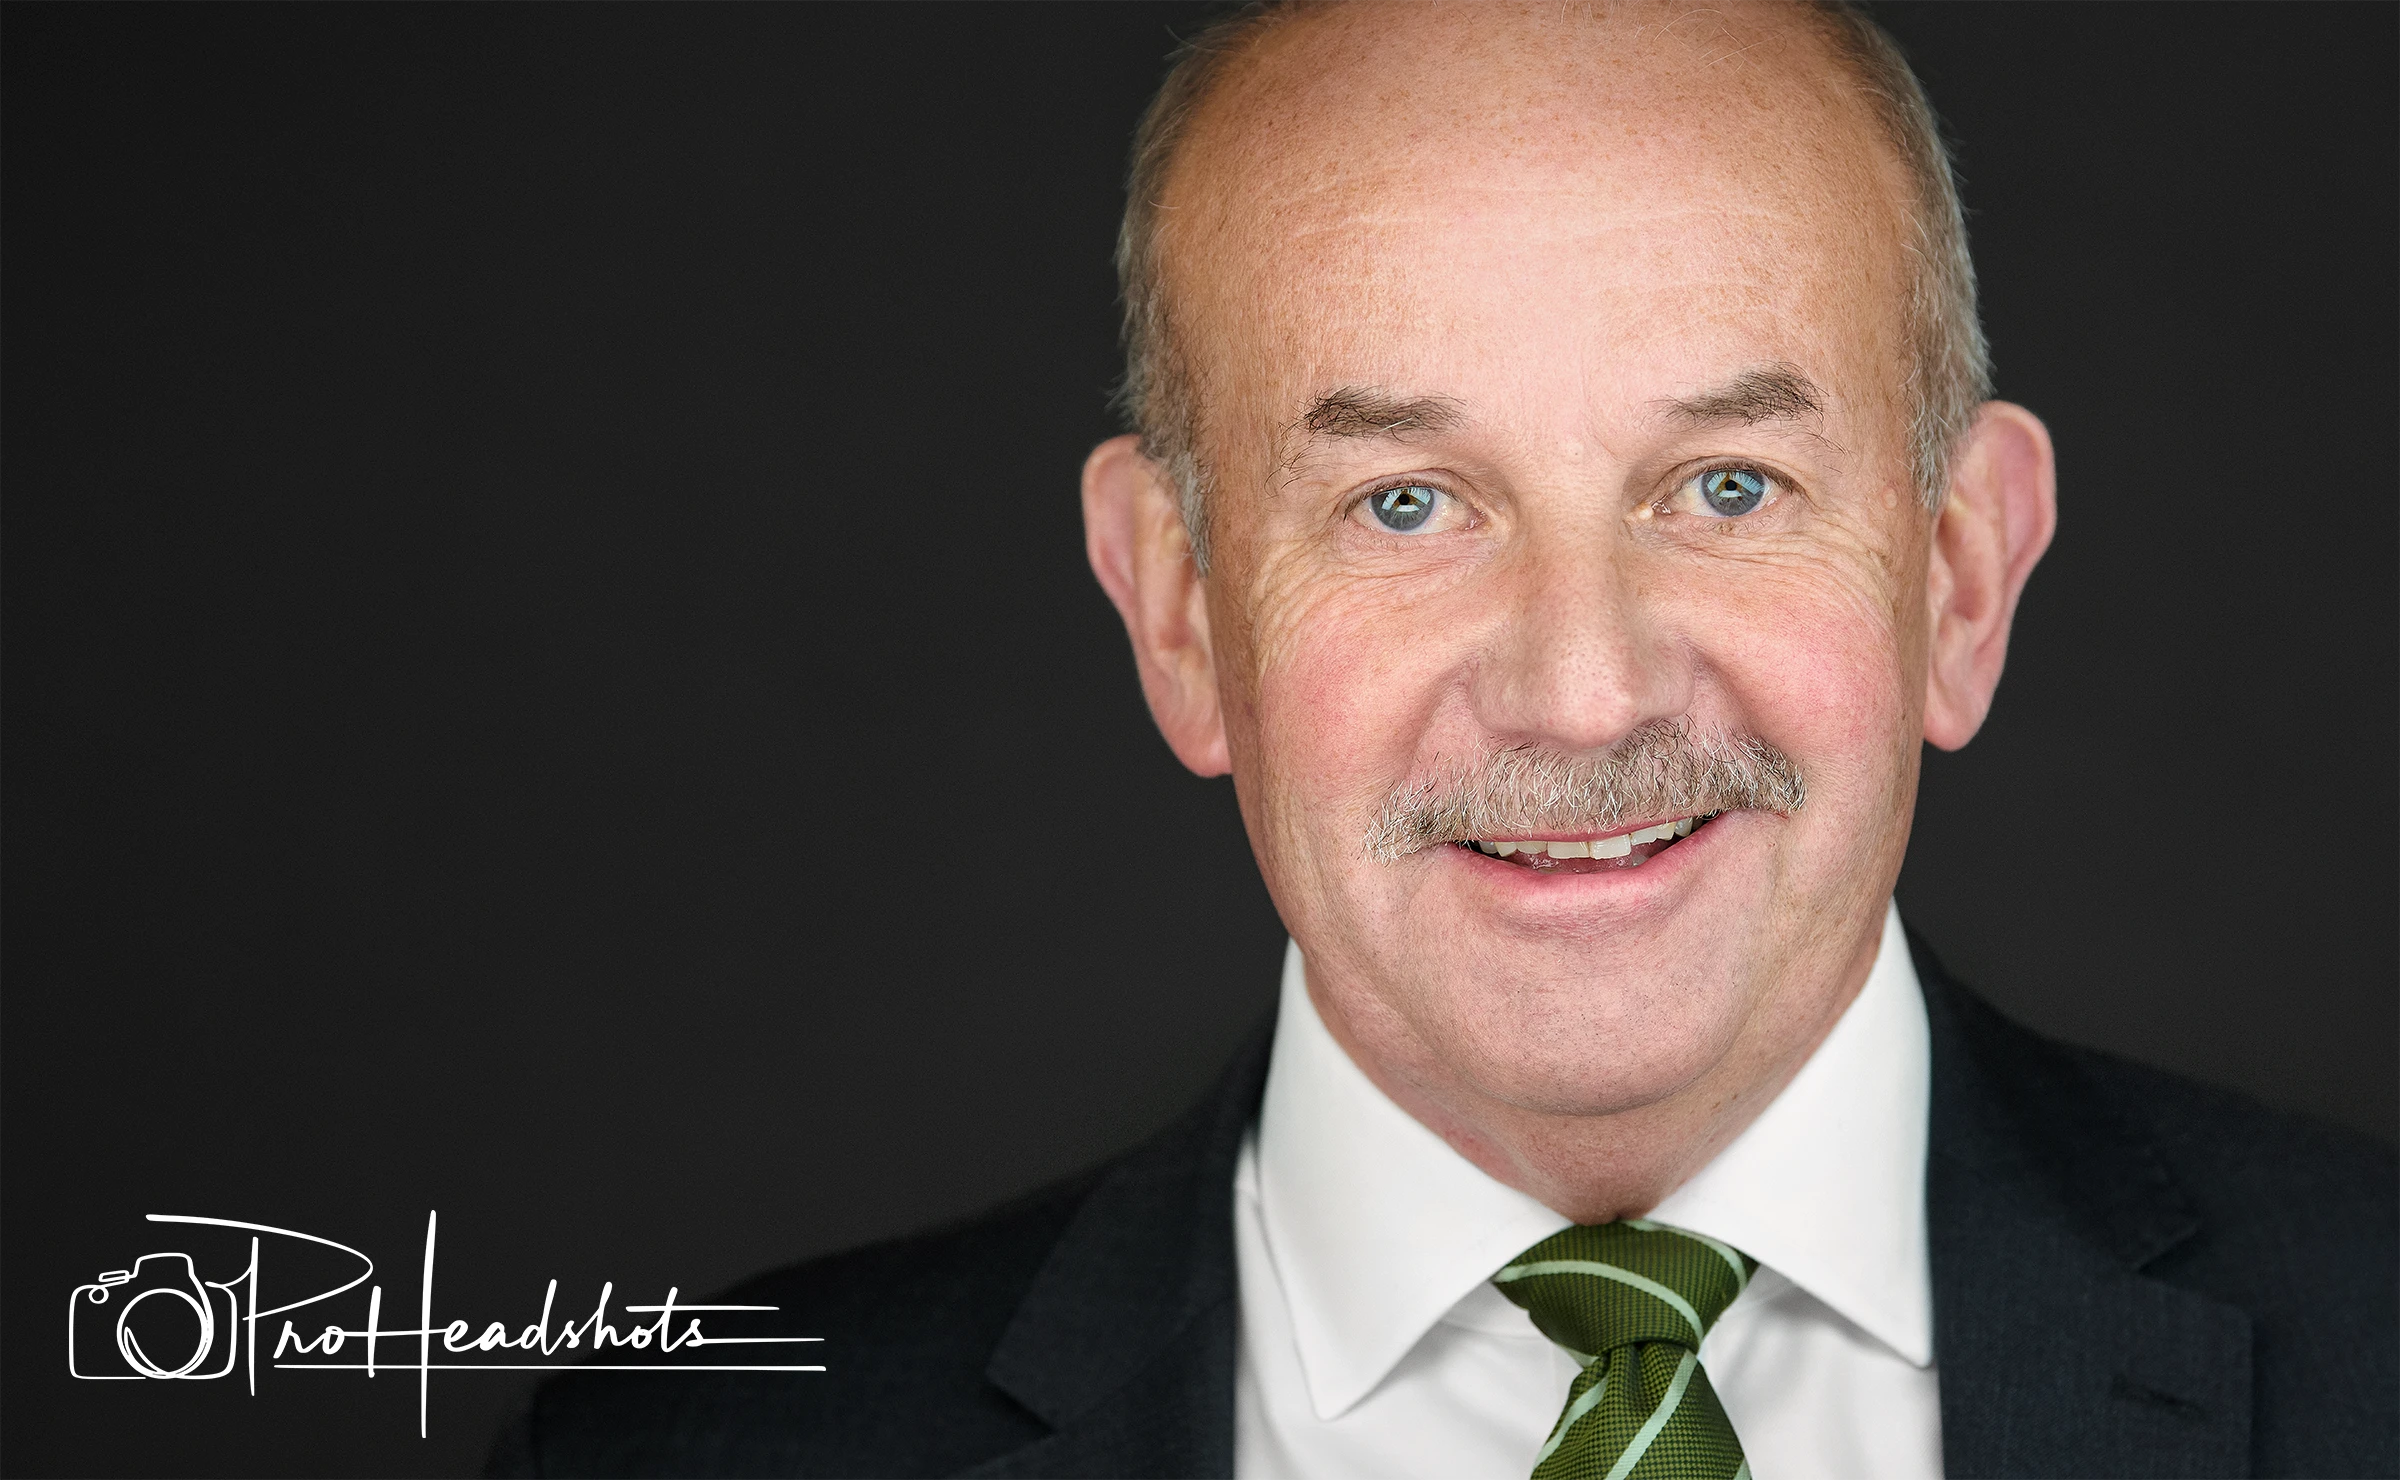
[1493, 202]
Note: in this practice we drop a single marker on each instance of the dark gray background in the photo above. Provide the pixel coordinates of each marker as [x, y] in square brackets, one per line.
[550, 674]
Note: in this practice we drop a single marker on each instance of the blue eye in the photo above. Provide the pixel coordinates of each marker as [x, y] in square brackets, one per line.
[1730, 491]
[1404, 510]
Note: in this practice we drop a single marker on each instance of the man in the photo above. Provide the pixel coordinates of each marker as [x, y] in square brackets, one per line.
[1564, 498]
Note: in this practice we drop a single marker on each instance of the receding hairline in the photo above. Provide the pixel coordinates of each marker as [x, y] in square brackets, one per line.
[1948, 373]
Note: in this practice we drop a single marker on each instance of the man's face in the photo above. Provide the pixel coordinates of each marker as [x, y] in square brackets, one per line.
[1505, 325]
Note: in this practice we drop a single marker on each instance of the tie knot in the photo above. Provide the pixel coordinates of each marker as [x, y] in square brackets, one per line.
[1595, 1288]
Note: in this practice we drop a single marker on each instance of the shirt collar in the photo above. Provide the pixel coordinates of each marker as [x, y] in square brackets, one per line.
[1376, 1228]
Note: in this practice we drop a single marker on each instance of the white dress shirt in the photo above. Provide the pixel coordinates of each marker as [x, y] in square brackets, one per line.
[1374, 1345]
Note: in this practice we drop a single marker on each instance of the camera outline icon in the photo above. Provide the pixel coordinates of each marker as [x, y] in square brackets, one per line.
[166, 1274]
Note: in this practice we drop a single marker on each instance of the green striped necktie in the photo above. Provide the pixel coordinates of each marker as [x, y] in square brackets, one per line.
[1631, 1301]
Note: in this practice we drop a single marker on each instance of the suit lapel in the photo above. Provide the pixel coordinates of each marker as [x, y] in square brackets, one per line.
[2046, 1204]
[1124, 1345]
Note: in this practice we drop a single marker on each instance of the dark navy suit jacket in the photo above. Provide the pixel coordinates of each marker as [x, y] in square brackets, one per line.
[2133, 1275]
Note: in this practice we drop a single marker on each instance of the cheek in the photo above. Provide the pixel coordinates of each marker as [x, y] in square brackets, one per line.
[1344, 682]
[1814, 658]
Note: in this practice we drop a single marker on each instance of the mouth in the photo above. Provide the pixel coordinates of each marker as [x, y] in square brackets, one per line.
[1629, 849]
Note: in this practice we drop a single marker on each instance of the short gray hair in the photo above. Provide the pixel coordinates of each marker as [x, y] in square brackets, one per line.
[1949, 373]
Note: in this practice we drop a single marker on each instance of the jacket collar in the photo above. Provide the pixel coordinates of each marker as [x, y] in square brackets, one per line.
[2047, 1205]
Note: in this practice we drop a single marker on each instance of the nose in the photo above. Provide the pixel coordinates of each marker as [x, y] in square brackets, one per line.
[1581, 660]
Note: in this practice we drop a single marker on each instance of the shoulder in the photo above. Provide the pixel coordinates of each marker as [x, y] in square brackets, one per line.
[2256, 1173]
[1084, 1329]
[907, 1327]
[2094, 1190]
[2253, 1178]
[2290, 1210]
[2240, 1164]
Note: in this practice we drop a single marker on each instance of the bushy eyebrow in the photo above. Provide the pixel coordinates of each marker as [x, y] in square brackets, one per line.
[1362, 413]
[1760, 394]
[1355, 411]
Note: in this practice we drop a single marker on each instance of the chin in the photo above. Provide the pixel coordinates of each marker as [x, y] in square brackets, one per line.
[1596, 1038]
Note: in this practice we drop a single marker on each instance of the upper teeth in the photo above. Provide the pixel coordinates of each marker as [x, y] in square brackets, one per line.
[1616, 847]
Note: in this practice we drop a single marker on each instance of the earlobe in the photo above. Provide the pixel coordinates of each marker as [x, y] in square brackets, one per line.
[2001, 511]
[1134, 536]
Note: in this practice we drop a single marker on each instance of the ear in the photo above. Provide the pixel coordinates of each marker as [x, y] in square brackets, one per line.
[1997, 521]
[1133, 531]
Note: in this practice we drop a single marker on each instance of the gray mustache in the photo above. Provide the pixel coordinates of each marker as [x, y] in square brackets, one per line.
[1663, 769]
